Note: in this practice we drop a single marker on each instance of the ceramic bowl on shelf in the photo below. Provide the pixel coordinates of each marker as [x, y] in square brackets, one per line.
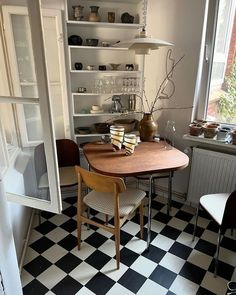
[102, 127]
[75, 40]
[128, 124]
[92, 42]
[82, 130]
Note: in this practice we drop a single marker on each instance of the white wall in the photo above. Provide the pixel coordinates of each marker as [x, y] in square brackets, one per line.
[179, 22]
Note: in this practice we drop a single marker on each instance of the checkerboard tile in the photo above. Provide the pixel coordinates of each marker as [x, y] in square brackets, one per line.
[174, 263]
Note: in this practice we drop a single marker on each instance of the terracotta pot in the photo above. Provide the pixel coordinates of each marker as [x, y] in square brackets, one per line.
[233, 133]
[195, 129]
[210, 130]
[147, 128]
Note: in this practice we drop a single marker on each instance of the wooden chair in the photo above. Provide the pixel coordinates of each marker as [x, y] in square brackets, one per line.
[221, 208]
[68, 157]
[109, 196]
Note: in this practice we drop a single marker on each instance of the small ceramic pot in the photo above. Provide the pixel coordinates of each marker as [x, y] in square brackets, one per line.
[233, 133]
[210, 130]
[78, 66]
[195, 129]
[90, 67]
[102, 68]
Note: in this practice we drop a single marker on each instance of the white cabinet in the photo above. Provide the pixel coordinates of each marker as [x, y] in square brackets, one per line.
[97, 86]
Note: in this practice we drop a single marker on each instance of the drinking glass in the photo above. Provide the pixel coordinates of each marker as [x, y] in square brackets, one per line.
[169, 134]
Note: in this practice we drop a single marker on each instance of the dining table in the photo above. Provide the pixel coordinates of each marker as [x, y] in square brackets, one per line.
[148, 158]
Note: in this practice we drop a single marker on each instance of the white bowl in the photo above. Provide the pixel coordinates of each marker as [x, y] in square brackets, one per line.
[96, 108]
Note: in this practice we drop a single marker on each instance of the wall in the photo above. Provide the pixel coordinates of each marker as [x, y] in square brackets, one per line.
[179, 22]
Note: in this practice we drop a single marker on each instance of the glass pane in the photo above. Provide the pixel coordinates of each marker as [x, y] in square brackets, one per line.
[223, 25]
[222, 92]
[8, 127]
[32, 115]
[22, 41]
[31, 169]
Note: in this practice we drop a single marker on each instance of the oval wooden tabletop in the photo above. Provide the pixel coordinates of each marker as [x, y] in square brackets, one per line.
[148, 157]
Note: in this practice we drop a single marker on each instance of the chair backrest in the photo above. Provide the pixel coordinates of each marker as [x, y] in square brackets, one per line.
[39, 161]
[67, 153]
[229, 218]
[100, 183]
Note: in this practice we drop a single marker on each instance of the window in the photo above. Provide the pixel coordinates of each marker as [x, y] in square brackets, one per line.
[10, 98]
[217, 95]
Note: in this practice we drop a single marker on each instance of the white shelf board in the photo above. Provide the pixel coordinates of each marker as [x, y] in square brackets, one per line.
[91, 135]
[102, 94]
[104, 24]
[100, 114]
[104, 72]
[98, 48]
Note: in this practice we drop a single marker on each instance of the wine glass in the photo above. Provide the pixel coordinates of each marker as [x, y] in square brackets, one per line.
[169, 134]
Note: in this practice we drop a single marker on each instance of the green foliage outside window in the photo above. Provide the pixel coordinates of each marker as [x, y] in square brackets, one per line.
[227, 101]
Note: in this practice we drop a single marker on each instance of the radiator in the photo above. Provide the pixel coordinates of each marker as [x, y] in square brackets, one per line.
[211, 172]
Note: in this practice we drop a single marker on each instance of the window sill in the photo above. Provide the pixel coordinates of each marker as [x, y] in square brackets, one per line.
[210, 142]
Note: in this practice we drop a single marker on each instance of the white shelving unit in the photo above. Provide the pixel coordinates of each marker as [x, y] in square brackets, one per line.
[101, 86]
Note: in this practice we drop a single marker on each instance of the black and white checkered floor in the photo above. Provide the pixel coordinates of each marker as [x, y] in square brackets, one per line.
[173, 265]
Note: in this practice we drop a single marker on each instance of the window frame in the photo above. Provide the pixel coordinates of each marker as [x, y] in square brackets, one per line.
[206, 61]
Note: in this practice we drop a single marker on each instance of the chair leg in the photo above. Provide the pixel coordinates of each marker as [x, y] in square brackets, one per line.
[169, 194]
[79, 231]
[153, 188]
[106, 221]
[117, 242]
[141, 219]
[217, 252]
[39, 216]
[195, 225]
[88, 216]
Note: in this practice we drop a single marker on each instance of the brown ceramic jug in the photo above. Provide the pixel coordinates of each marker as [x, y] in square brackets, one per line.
[147, 128]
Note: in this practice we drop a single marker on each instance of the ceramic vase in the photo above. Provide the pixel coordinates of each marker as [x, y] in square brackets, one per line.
[94, 15]
[147, 127]
[130, 141]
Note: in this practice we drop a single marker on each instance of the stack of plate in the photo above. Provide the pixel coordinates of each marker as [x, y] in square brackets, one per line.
[96, 109]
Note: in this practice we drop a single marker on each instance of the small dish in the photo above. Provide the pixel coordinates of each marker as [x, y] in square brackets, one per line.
[92, 42]
[82, 130]
[105, 44]
[114, 67]
[97, 111]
